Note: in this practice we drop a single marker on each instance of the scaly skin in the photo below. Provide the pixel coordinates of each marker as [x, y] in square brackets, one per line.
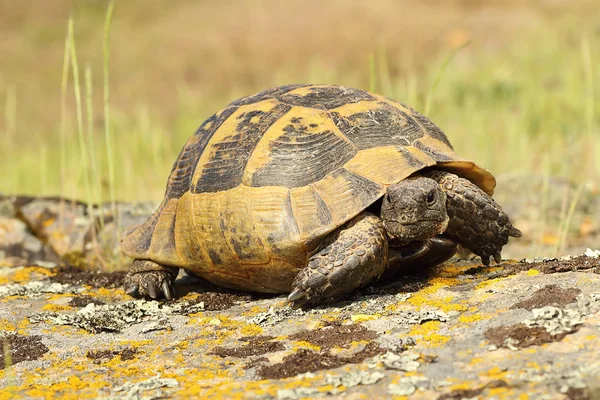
[417, 255]
[476, 221]
[150, 280]
[356, 254]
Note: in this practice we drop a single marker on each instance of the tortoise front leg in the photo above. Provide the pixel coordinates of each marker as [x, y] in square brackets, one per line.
[476, 221]
[150, 280]
[355, 255]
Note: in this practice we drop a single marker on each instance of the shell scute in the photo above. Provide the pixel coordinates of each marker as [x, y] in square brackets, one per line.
[266, 178]
[222, 164]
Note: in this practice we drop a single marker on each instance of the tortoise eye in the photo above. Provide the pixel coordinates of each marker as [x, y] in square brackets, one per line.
[431, 197]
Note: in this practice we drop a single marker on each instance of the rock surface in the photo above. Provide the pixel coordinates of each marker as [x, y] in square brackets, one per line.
[461, 330]
[41, 230]
[527, 329]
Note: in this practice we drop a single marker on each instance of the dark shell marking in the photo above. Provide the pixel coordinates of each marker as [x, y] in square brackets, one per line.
[299, 157]
[225, 169]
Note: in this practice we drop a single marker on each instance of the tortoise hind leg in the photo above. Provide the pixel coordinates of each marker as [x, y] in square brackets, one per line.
[353, 256]
[150, 280]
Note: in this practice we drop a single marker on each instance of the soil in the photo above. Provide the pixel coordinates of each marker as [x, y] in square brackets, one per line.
[255, 346]
[549, 295]
[335, 335]
[83, 300]
[100, 356]
[551, 266]
[521, 336]
[215, 301]
[305, 360]
[97, 279]
[20, 348]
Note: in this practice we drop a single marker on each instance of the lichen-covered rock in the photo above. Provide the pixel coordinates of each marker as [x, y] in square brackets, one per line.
[460, 330]
[56, 229]
[18, 246]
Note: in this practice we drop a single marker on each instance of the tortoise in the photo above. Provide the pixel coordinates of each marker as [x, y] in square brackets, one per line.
[314, 190]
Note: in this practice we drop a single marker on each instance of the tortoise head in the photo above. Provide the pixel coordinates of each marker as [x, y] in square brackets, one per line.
[414, 209]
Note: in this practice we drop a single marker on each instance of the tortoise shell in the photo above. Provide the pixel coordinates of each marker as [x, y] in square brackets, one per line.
[262, 181]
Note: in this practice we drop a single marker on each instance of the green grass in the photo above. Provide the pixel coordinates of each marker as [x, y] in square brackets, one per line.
[525, 106]
[519, 110]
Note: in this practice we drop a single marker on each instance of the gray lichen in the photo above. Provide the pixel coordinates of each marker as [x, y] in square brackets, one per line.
[404, 362]
[38, 288]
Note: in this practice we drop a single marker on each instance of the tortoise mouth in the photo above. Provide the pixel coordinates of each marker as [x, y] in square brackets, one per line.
[416, 230]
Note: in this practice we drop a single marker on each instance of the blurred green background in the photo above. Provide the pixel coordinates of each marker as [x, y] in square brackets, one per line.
[514, 84]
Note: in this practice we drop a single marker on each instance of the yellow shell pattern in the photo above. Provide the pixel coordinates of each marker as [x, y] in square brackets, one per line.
[260, 182]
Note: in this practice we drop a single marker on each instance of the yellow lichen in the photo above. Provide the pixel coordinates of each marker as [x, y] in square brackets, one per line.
[56, 307]
[488, 282]
[363, 317]
[253, 311]
[24, 275]
[496, 373]
[251, 329]
[428, 333]
[302, 344]
[5, 325]
[475, 360]
[533, 272]
[465, 319]
[426, 296]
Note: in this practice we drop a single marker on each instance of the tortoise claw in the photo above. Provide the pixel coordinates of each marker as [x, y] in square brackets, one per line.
[497, 257]
[297, 298]
[514, 232]
[485, 260]
[167, 290]
[133, 290]
[152, 290]
[150, 284]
